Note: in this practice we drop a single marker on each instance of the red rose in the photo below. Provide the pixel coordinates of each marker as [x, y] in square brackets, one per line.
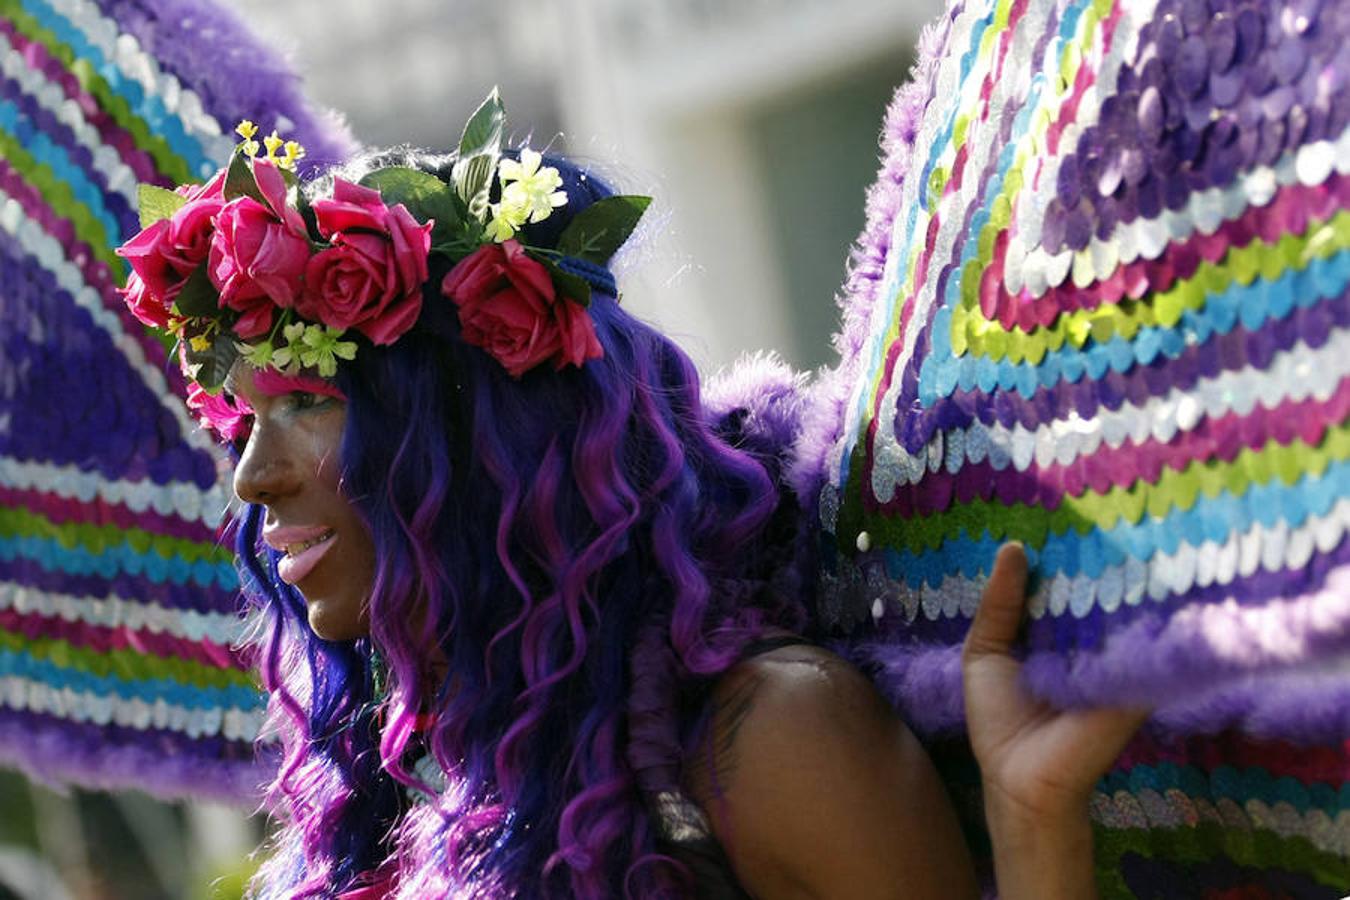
[258, 253]
[509, 307]
[371, 277]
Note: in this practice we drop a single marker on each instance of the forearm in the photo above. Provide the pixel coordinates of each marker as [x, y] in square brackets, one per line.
[1041, 856]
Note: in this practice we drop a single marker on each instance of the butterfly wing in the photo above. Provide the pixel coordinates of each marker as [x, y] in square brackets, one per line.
[1101, 308]
[118, 598]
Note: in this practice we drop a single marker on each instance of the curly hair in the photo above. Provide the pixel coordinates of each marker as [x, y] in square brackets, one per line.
[563, 560]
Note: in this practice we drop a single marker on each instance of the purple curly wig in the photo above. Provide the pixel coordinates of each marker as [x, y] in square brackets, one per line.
[564, 560]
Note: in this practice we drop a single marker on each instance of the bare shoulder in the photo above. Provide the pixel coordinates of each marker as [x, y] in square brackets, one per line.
[803, 754]
[788, 703]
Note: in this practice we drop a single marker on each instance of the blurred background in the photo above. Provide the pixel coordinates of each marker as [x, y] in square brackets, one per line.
[754, 125]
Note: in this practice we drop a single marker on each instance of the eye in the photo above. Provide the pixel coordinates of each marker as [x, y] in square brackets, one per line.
[302, 400]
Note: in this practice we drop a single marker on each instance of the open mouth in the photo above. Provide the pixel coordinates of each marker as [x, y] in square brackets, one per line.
[302, 556]
[297, 549]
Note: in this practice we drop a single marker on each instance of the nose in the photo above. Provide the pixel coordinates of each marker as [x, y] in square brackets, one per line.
[265, 471]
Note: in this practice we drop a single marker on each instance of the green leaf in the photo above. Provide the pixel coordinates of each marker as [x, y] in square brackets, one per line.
[296, 197]
[198, 298]
[456, 247]
[572, 286]
[209, 368]
[473, 183]
[239, 180]
[425, 196]
[600, 229]
[479, 148]
[157, 203]
[483, 131]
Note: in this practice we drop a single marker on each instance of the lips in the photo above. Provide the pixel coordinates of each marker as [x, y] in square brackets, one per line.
[303, 547]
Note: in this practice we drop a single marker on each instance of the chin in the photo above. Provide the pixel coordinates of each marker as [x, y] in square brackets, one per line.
[333, 620]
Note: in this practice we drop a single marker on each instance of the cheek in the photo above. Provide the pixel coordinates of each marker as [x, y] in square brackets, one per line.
[325, 452]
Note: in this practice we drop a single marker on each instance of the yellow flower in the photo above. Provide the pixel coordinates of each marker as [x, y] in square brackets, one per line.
[258, 355]
[247, 130]
[287, 358]
[293, 152]
[320, 349]
[273, 143]
[200, 343]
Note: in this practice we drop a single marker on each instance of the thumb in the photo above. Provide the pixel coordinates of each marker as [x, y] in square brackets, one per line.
[1001, 605]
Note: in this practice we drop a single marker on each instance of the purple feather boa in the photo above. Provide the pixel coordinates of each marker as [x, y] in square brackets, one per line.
[765, 393]
[164, 764]
[1150, 658]
[1301, 706]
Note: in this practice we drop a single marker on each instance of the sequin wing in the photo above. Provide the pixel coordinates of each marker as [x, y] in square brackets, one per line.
[1111, 321]
[118, 597]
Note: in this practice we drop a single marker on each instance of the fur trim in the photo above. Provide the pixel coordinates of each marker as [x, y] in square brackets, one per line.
[58, 753]
[760, 399]
[1233, 666]
[823, 413]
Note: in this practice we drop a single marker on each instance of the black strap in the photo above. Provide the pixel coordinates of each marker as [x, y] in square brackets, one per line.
[760, 646]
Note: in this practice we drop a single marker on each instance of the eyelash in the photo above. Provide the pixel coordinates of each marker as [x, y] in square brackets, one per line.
[302, 400]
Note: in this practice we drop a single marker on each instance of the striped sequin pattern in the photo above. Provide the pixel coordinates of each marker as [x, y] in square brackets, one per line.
[119, 602]
[1113, 324]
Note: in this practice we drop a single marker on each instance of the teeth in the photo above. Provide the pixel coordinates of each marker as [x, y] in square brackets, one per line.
[294, 549]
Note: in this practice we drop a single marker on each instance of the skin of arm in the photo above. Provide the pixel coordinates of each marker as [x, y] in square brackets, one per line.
[816, 789]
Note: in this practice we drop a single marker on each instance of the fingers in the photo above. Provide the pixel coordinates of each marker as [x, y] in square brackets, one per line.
[1000, 614]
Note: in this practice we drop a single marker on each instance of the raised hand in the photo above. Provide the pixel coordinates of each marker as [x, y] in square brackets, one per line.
[1038, 764]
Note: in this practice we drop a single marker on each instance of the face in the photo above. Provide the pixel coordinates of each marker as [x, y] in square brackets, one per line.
[290, 465]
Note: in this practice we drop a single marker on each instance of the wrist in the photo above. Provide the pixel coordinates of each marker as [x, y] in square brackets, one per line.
[1041, 850]
[1047, 812]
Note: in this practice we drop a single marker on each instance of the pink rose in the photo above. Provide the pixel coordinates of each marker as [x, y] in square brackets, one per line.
[154, 281]
[188, 242]
[258, 253]
[371, 277]
[163, 255]
[509, 307]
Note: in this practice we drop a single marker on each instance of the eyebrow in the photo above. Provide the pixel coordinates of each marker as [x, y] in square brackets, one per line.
[270, 381]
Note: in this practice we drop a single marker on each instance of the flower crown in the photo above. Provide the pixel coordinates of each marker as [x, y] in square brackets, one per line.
[246, 267]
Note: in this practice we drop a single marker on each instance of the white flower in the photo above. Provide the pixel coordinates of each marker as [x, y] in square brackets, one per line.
[505, 222]
[527, 187]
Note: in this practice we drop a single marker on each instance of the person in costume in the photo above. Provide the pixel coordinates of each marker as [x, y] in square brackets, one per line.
[529, 615]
